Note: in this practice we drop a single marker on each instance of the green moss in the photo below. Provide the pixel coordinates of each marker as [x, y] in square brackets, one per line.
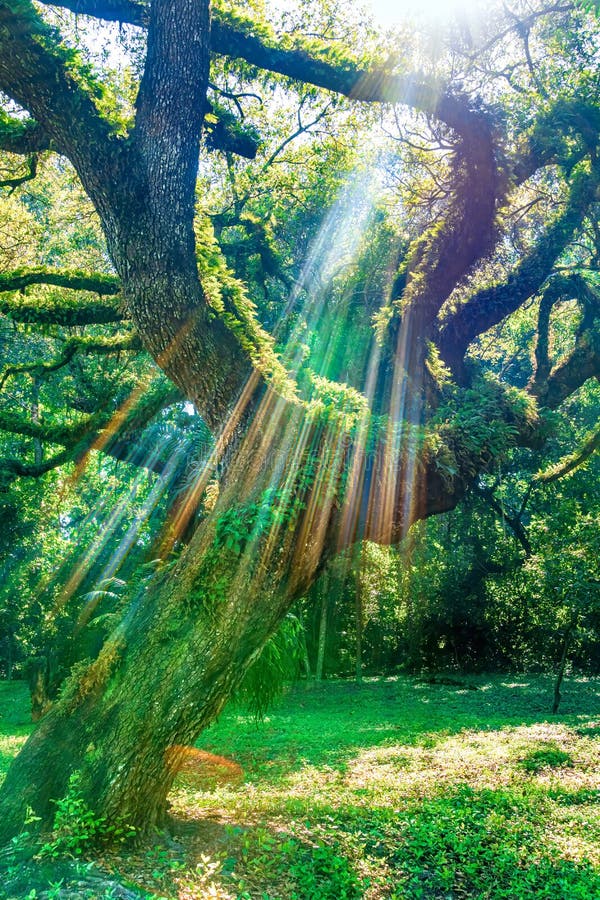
[229, 299]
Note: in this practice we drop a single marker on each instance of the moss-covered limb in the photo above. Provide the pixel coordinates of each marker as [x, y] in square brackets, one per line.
[120, 442]
[52, 311]
[42, 368]
[17, 180]
[225, 132]
[11, 468]
[572, 286]
[149, 399]
[551, 295]
[572, 371]
[571, 462]
[51, 82]
[314, 63]
[22, 136]
[490, 305]
[60, 312]
[64, 435]
[444, 254]
[563, 135]
[77, 280]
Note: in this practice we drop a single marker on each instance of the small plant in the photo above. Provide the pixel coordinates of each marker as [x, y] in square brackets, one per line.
[549, 757]
[77, 827]
[321, 873]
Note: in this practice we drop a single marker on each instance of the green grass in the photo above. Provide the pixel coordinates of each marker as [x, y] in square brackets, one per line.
[15, 721]
[396, 789]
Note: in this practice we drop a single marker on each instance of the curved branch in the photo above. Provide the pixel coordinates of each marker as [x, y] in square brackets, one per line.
[490, 305]
[571, 372]
[49, 80]
[72, 348]
[570, 463]
[561, 136]
[14, 468]
[228, 135]
[561, 287]
[445, 253]
[18, 180]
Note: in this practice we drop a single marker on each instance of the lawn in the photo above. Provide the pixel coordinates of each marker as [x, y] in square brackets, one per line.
[396, 788]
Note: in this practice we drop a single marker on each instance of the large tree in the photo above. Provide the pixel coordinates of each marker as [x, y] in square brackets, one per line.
[306, 466]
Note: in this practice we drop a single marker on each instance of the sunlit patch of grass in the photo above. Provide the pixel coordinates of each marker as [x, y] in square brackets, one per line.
[422, 786]
[394, 790]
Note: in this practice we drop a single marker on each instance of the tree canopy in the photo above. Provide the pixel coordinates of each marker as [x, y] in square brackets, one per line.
[370, 263]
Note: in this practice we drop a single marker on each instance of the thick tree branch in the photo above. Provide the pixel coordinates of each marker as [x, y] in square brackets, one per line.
[43, 81]
[36, 312]
[571, 372]
[561, 287]
[23, 136]
[258, 46]
[19, 279]
[562, 136]
[445, 253]
[490, 305]
[53, 312]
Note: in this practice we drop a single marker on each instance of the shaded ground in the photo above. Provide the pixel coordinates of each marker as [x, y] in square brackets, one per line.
[396, 788]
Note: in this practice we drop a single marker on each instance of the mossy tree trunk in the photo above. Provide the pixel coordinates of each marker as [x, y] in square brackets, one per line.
[185, 642]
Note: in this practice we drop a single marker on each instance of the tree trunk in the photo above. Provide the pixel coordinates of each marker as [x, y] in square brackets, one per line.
[185, 643]
[322, 630]
[560, 674]
[358, 610]
[10, 637]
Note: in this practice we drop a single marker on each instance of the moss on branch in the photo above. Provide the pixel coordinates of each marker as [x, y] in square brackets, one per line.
[490, 305]
[49, 311]
[74, 346]
[22, 136]
[58, 312]
[77, 280]
[571, 462]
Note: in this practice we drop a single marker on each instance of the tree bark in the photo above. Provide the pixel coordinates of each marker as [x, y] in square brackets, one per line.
[359, 612]
[560, 674]
[322, 641]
